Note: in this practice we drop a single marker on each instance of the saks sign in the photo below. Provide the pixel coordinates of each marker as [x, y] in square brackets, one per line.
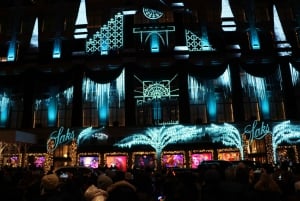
[59, 137]
[257, 130]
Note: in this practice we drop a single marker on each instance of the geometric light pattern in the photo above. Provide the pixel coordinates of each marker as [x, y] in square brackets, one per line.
[155, 90]
[152, 14]
[195, 43]
[109, 37]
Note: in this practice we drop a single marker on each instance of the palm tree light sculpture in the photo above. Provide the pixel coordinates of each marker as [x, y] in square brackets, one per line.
[159, 137]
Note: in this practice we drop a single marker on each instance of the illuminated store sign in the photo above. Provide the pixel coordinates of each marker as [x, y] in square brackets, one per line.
[257, 131]
[59, 137]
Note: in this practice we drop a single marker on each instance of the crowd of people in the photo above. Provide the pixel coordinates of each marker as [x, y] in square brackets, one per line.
[239, 182]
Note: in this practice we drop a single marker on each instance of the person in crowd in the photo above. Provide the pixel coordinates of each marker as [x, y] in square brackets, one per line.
[122, 190]
[93, 193]
[50, 189]
[266, 188]
[104, 181]
[211, 180]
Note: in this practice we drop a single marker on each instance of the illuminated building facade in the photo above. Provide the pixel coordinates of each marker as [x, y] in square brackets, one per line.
[228, 67]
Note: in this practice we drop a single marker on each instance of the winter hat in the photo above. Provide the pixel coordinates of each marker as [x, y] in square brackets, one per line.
[93, 193]
[50, 181]
[103, 181]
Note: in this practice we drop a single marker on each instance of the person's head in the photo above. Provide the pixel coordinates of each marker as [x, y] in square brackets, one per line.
[122, 191]
[50, 182]
[92, 193]
[104, 181]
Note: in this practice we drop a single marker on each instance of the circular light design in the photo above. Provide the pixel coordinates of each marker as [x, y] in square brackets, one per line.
[152, 14]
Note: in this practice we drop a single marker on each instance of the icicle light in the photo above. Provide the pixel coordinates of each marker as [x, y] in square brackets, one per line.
[285, 132]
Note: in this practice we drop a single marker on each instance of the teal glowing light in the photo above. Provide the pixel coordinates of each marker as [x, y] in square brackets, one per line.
[159, 137]
[103, 102]
[11, 55]
[52, 111]
[89, 133]
[204, 39]
[154, 43]
[226, 134]
[109, 37]
[285, 132]
[68, 94]
[100, 94]
[57, 49]
[4, 109]
[211, 103]
[265, 107]
[254, 39]
[294, 74]
[254, 86]
[203, 91]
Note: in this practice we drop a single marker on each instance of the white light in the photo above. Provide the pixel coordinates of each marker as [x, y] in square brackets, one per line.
[129, 12]
[181, 48]
[178, 4]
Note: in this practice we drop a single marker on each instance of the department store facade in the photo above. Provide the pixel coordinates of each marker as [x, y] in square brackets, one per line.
[231, 74]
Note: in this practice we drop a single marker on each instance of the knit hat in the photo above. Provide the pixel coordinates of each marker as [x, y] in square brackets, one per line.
[103, 181]
[50, 181]
[93, 193]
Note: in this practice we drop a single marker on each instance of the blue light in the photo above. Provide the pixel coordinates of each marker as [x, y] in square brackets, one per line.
[265, 107]
[212, 106]
[4, 110]
[57, 49]
[254, 39]
[154, 43]
[52, 111]
[11, 51]
[103, 112]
